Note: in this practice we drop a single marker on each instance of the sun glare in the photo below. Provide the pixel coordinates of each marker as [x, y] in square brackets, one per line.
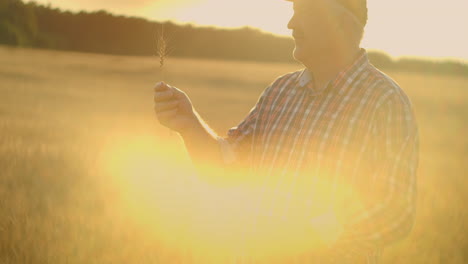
[212, 221]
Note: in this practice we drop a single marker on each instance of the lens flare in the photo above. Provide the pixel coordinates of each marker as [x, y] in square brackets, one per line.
[216, 220]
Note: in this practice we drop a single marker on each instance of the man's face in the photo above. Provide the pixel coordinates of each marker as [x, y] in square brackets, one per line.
[315, 28]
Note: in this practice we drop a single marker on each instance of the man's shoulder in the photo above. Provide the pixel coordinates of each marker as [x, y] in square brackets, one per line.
[386, 87]
[282, 81]
[393, 104]
[288, 77]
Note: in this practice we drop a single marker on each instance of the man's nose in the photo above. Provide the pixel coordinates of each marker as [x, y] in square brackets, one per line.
[292, 23]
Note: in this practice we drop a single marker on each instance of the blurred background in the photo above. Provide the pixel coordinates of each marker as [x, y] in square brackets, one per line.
[87, 175]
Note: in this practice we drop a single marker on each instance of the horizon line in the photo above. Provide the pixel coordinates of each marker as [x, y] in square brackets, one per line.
[199, 25]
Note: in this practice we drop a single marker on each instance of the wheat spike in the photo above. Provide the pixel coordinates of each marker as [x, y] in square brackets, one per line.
[162, 49]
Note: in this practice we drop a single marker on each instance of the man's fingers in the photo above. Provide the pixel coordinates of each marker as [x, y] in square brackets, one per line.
[163, 95]
[161, 86]
[163, 106]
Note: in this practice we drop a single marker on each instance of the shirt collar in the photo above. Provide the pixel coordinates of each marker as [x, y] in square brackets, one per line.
[306, 78]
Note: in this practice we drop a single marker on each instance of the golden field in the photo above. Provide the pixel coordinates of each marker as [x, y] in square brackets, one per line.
[84, 164]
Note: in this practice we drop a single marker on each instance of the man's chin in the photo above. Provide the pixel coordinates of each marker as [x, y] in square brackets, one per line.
[298, 55]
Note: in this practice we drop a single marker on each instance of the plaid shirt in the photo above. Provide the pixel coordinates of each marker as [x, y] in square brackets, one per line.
[355, 142]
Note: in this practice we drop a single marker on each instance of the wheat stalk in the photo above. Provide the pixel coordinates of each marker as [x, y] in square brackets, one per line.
[162, 51]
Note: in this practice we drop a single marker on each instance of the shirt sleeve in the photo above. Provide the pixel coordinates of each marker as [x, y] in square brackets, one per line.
[236, 146]
[388, 208]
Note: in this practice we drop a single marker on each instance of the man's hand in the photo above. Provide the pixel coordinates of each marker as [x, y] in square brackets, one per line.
[175, 111]
[173, 108]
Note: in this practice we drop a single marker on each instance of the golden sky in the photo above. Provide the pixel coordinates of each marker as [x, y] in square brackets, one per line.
[432, 28]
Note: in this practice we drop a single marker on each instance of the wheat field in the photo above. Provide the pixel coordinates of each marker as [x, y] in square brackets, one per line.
[79, 146]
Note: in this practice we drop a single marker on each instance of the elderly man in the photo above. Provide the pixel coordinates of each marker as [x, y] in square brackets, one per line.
[339, 126]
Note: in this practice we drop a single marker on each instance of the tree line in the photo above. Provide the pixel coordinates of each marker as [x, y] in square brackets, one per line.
[34, 25]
